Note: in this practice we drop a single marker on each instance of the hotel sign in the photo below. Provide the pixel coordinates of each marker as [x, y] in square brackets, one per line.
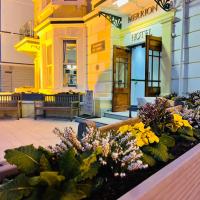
[97, 47]
[137, 37]
[141, 35]
[143, 13]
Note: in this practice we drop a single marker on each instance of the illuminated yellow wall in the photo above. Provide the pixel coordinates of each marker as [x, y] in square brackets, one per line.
[58, 9]
[52, 37]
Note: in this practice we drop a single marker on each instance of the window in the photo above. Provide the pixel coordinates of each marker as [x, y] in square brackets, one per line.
[69, 63]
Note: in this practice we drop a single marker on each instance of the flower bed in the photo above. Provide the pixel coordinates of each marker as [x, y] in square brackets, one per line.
[101, 165]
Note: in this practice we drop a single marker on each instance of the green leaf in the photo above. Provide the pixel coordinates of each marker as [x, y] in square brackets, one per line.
[16, 189]
[158, 151]
[75, 191]
[197, 133]
[26, 158]
[89, 167]
[167, 140]
[192, 139]
[69, 164]
[51, 178]
[44, 164]
[186, 131]
[149, 160]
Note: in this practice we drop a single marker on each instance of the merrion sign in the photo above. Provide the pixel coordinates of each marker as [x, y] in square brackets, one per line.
[143, 13]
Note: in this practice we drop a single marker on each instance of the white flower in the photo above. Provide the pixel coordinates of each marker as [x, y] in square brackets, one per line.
[116, 174]
[114, 156]
[122, 175]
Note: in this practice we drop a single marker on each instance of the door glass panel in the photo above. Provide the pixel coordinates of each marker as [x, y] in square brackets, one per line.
[155, 70]
[137, 91]
[121, 77]
[138, 63]
[137, 74]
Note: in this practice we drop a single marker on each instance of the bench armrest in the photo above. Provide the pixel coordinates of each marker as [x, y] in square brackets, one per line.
[75, 104]
[38, 103]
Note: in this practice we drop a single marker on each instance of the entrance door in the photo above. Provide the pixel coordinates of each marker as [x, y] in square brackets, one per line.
[145, 70]
[121, 79]
[152, 73]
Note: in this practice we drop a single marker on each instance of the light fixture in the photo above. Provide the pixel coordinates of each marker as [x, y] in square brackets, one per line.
[165, 4]
[120, 3]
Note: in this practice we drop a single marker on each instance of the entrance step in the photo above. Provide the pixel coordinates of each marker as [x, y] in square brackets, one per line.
[105, 121]
[98, 121]
[120, 115]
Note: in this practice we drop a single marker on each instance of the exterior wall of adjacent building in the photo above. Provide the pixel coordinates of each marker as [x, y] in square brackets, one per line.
[17, 69]
[186, 68]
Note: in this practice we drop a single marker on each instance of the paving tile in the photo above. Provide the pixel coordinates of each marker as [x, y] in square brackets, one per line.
[15, 133]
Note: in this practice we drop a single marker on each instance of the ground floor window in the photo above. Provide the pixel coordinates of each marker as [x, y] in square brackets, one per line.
[69, 63]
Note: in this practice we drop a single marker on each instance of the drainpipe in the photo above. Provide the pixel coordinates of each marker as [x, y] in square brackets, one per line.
[182, 58]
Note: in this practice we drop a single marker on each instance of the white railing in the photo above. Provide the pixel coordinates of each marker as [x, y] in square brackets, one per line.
[27, 30]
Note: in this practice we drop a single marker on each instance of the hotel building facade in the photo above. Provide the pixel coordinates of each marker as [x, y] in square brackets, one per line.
[121, 50]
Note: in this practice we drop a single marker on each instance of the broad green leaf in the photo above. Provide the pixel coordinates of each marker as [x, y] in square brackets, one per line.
[197, 133]
[44, 164]
[51, 178]
[149, 160]
[158, 151]
[167, 140]
[69, 164]
[88, 168]
[26, 158]
[186, 131]
[16, 189]
[192, 139]
[75, 191]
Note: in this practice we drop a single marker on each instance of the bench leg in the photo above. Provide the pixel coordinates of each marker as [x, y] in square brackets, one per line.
[71, 114]
[35, 114]
[44, 113]
[17, 115]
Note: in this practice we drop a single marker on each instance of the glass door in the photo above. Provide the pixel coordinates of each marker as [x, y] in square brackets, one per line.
[153, 64]
[145, 69]
[121, 79]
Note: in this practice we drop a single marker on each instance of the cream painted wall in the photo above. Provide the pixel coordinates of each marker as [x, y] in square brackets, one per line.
[100, 63]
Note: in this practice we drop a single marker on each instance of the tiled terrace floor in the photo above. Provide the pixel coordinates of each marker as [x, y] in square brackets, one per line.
[15, 133]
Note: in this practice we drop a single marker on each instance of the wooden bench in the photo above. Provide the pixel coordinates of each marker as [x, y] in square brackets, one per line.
[69, 102]
[11, 102]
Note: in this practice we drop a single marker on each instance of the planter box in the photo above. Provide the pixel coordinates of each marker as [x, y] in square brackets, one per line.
[178, 180]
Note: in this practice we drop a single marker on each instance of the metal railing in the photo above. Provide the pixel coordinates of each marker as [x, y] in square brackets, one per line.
[27, 30]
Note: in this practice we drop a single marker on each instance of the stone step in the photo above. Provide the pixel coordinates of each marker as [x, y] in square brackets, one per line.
[120, 115]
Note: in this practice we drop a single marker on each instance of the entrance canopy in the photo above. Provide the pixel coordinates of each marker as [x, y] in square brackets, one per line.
[125, 7]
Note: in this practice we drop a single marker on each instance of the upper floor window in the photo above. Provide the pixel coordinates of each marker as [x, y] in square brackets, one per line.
[70, 63]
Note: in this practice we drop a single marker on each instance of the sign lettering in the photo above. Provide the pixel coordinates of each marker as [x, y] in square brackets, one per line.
[97, 47]
[143, 13]
[140, 35]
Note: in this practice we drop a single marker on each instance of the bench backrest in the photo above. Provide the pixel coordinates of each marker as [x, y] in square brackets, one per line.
[9, 100]
[61, 100]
